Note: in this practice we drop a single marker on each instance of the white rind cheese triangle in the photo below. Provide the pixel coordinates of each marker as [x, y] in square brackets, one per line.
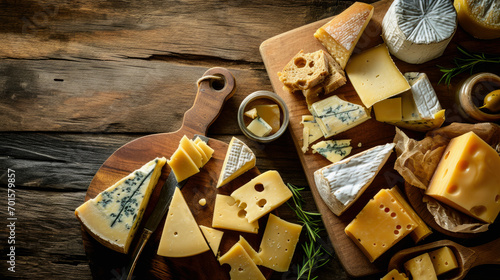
[112, 217]
[239, 159]
[423, 94]
[342, 183]
[181, 235]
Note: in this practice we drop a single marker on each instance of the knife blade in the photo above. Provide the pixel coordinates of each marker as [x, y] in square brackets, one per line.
[164, 199]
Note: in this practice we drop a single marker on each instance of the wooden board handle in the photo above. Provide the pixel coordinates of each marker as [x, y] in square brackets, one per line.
[215, 87]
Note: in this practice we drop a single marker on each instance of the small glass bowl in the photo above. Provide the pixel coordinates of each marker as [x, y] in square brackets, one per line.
[274, 98]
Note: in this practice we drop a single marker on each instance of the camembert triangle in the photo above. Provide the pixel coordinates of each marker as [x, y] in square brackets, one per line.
[239, 159]
[181, 235]
[112, 217]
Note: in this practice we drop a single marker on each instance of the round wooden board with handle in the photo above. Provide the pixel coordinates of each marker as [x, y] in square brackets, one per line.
[108, 264]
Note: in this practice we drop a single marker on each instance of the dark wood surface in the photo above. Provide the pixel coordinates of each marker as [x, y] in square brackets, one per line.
[80, 79]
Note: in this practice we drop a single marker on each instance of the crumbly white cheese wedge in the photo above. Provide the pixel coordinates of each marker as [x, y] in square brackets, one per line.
[423, 94]
[335, 115]
[311, 131]
[342, 183]
[181, 235]
[112, 217]
[333, 150]
[417, 31]
[239, 159]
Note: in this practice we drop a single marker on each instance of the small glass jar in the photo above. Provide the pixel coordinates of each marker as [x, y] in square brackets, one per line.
[263, 97]
[472, 92]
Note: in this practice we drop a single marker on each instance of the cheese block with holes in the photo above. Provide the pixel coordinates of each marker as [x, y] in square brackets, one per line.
[112, 217]
[228, 215]
[421, 268]
[305, 70]
[239, 159]
[181, 236]
[443, 260]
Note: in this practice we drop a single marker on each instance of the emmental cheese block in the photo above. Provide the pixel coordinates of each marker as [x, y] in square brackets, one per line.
[380, 224]
[262, 195]
[239, 159]
[278, 243]
[421, 268]
[480, 18]
[417, 31]
[443, 260]
[467, 178]
[374, 75]
[340, 184]
[213, 238]
[242, 266]
[342, 33]
[181, 236]
[228, 215]
[112, 217]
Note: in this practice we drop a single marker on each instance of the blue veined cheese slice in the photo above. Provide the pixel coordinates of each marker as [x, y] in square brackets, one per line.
[342, 183]
[112, 217]
[335, 115]
[333, 150]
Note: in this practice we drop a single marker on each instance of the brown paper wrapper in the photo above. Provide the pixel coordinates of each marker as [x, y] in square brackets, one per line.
[417, 160]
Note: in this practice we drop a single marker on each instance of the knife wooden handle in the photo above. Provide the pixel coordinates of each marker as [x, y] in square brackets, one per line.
[146, 234]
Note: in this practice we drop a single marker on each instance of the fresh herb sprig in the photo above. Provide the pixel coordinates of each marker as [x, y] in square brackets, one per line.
[468, 62]
[315, 254]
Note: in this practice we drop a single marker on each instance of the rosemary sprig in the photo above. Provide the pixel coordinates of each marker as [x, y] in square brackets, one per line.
[315, 254]
[468, 62]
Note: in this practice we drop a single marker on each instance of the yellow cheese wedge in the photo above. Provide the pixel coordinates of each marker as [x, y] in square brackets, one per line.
[443, 260]
[190, 148]
[467, 178]
[278, 243]
[480, 18]
[182, 165]
[239, 159]
[271, 115]
[242, 266]
[213, 237]
[250, 251]
[381, 223]
[228, 215]
[181, 236]
[394, 275]
[388, 110]
[374, 75]
[421, 268]
[112, 217]
[342, 33]
[262, 195]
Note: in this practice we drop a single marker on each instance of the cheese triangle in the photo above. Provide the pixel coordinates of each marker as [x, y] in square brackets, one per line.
[213, 237]
[239, 159]
[181, 235]
[112, 217]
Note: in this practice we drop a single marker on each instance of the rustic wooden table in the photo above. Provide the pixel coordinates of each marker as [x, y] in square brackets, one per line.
[78, 79]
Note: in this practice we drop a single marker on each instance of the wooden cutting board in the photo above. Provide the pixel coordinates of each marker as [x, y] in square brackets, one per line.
[277, 51]
[108, 264]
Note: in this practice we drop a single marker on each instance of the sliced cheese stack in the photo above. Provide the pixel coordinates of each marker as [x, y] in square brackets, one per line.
[342, 183]
[417, 31]
[112, 217]
[335, 115]
[250, 251]
[333, 150]
[381, 223]
[374, 75]
[418, 109]
[342, 33]
[213, 238]
[311, 131]
[467, 178]
[189, 157]
[239, 159]
[480, 18]
[242, 265]
[181, 236]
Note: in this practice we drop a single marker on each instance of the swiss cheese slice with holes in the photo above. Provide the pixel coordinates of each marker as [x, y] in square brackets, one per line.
[239, 159]
[228, 215]
[181, 235]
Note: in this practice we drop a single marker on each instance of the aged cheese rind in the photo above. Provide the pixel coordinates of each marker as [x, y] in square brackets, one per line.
[480, 18]
[342, 183]
[112, 217]
[417, 31]
[181, 236]
[239, 159]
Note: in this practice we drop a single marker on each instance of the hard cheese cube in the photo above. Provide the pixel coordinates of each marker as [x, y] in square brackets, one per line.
[182, 165]
[467, 178]
[374, 75]
[259, 127]
[380, 225]
[242, 266]
[421, 268]
[278, 243]
[443, 260]
[262, 195]
[394, 275]
[270, 114]
[228, 215]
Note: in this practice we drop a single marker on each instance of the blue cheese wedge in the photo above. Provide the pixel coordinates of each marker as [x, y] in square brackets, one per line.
[335, 115]
[342, 183]
[239, 159]
[333, 150]
[112, 217]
